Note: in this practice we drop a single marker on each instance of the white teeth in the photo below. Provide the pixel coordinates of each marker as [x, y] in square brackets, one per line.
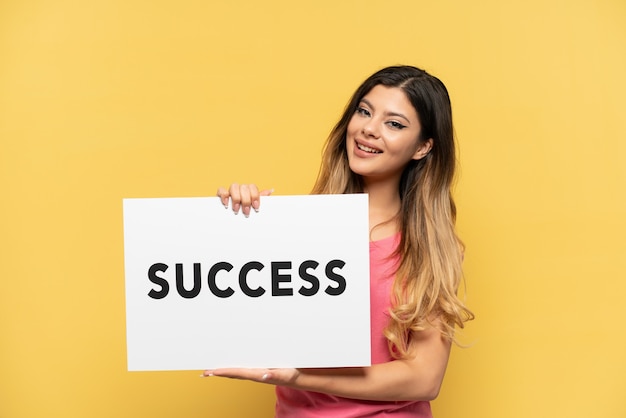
[368, 149]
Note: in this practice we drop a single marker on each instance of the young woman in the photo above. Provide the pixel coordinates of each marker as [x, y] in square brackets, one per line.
[395, 142]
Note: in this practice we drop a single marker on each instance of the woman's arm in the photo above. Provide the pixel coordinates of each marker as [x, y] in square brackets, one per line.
[417, 378]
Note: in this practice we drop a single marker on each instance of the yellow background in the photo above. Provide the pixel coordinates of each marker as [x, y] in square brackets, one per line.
[101, 100]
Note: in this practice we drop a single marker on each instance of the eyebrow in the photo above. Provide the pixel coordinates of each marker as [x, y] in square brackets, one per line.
[400, 115]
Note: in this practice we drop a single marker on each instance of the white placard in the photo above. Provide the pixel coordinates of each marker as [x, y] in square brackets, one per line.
[286, 287]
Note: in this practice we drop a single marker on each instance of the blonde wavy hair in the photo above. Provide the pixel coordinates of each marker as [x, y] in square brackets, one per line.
[424, 292]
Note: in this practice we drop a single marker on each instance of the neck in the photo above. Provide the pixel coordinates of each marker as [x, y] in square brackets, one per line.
[384, 205]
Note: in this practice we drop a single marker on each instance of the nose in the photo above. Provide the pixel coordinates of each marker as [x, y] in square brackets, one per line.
[370, 129]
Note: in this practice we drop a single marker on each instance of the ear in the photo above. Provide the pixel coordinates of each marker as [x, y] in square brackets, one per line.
[423, 149]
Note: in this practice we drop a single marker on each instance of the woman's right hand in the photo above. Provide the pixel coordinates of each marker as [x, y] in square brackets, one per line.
[242, 196]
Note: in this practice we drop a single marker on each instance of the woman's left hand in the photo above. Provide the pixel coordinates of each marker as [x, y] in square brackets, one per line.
[279, 377]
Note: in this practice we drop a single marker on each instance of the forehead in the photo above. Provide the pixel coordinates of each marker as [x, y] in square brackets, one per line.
[390, 100]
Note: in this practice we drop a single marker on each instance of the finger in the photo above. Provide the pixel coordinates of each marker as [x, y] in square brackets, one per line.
[256, 375]
[235, 196]
[256, 203]
[246, 199]
[254, 197]
[223, 194]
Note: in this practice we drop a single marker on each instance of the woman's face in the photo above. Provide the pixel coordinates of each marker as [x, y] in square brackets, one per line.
[383, 135]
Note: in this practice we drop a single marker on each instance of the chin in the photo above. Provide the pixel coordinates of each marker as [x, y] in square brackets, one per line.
[359, 171]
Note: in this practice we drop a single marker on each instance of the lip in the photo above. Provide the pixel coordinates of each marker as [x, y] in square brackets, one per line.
[360, 153]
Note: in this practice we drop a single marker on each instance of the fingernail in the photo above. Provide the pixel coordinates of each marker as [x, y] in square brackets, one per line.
[265, 376]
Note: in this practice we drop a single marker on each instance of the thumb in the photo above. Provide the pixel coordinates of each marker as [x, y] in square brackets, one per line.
[266, 192]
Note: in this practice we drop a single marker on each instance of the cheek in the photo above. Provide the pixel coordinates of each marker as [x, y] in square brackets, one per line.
[353, 127]
[409, 141]
[404, 147]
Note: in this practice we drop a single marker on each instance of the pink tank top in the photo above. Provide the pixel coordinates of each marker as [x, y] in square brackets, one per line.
[294, 403]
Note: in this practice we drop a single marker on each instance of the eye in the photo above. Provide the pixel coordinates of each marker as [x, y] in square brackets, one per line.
[396, 125]
[363, 111]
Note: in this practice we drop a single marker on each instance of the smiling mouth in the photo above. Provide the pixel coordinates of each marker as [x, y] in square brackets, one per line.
[368, 149]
